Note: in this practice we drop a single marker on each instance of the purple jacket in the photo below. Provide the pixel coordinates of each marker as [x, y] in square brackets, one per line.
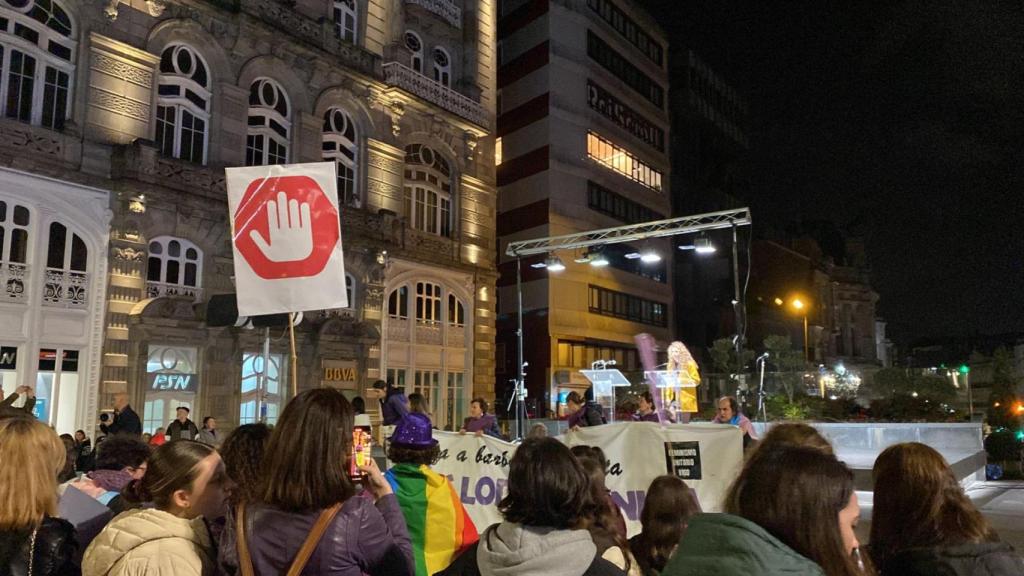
[486, 423]
[650, 417]
[362, 539]
[393, 408]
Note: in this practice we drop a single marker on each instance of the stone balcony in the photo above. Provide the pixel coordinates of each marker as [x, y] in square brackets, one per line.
[143, 162]
[65, 288]
[157, 289]
[445, 9]
[401, 76]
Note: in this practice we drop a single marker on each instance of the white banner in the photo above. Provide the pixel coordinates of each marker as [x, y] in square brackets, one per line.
[707, 456]
[286, 238]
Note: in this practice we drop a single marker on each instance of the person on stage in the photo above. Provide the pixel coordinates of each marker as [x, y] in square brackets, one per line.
[583, 413]
[681, 361]
[646, 411]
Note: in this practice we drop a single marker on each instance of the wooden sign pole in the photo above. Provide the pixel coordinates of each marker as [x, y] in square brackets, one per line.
[295, 356]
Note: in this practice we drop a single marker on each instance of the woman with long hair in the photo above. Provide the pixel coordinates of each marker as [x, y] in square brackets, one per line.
[923, 523]
[184, 482]
[545, 512]
[668, 507]
[32, 539]
[305, 496]
[792, 510]
[243, 451]
[602, 520]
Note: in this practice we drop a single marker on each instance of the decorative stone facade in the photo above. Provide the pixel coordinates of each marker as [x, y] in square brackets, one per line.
[166, 237]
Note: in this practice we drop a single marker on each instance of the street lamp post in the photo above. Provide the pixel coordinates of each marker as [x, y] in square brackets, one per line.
[799, 305]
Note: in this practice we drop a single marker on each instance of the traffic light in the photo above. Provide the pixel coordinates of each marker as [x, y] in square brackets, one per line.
[964, 368]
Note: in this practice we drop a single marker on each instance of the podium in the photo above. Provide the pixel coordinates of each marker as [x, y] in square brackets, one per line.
[675, 385]
[604, 382]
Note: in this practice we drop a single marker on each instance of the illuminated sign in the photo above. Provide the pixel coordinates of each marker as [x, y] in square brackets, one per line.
[613, 109]
[340, 373]
[162, 381]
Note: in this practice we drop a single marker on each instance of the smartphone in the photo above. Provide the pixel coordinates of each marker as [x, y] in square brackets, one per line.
[362, 446]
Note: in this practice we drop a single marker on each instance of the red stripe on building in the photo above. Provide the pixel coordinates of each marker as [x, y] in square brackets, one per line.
[520, 17]
[523, 115]
[533, 59]
[523, 218]
[523, 166]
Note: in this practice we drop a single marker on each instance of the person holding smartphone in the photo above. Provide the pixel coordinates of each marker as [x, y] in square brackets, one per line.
[306, 484]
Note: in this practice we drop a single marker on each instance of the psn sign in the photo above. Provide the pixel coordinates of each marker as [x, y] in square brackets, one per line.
[173, 382]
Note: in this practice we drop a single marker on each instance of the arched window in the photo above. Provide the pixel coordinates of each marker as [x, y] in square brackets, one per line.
[37, 55]
[345, 19]
[14, 229]
[175, 267]
[442, 67]
[415, 46]
[428, 190]
[456, 311]
[350, 290]
[340, 146]
[66, 260]
[183, 105]
[428, 302]
[398, 303]
[269, 124]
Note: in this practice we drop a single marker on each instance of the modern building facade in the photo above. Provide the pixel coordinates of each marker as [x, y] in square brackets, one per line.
[709, 144]
[583, 132]
[117, 121]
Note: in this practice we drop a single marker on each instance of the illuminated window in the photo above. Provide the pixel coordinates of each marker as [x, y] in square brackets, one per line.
[497, 152]
[261, 385]
[428, 302]
[619, 160]
[340, 146]
[269, 124]
[37, 54]
[183, 105]
[174, 267]
[345, 20]
[428, 191]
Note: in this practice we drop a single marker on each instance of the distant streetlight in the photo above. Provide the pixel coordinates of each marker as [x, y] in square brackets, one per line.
[799, 306]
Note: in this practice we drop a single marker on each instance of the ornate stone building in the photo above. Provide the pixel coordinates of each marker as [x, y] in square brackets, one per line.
[117, 119]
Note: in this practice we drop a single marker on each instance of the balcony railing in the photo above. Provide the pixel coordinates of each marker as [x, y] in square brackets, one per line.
[12, 281]
[446, 9]
[65, 288]
[157, 289]
[428, 333]
[400, 75]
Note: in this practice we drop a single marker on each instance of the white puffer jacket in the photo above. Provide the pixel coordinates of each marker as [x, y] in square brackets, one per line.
[150, 543]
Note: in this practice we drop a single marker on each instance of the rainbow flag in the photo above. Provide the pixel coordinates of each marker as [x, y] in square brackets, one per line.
[439, 526]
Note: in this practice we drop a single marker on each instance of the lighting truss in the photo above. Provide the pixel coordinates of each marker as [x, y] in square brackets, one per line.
[632, 233]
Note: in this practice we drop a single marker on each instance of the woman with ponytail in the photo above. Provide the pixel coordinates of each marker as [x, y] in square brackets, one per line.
[32, 540]
[185, 484]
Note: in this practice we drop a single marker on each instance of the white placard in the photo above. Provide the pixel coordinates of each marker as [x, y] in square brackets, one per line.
[707, 456]
[286, 238]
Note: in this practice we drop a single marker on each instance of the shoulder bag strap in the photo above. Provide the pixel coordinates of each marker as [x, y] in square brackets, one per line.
[242, 543]
[313, 540]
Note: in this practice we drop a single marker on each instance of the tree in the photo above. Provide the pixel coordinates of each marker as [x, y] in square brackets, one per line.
[889, 383]
[1004, 386]
[723, 356]
[789, 363]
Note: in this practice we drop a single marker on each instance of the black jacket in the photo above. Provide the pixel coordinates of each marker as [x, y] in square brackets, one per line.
[125, 422]
[55, 547]
[984, 559]
[465, 565]
[174, 430]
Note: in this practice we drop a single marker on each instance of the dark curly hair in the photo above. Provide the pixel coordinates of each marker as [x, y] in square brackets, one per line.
[404, 455]
[121, 451]
[242, 453]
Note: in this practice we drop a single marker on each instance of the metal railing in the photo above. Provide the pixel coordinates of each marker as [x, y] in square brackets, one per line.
[400, 75]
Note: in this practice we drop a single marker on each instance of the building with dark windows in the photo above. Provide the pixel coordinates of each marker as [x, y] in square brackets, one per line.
[117, 119]
[583, 144]
[709, 144]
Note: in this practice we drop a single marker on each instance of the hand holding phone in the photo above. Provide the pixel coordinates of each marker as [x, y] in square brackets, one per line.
[374, 480]
[361, 453]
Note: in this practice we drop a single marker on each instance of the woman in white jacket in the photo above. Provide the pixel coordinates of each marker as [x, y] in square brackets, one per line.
[185, 483]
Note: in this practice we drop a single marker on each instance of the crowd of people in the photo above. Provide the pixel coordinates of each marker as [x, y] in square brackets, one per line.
[286, 501]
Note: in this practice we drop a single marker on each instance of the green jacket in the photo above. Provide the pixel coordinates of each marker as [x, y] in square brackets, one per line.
[727, 545]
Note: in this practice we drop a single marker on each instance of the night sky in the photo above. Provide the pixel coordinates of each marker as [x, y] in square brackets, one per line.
[903, 123]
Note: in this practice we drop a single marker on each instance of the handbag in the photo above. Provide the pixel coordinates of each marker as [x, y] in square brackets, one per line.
[305, 552]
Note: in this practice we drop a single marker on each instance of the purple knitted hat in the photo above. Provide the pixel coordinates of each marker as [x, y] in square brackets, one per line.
[413, 431]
